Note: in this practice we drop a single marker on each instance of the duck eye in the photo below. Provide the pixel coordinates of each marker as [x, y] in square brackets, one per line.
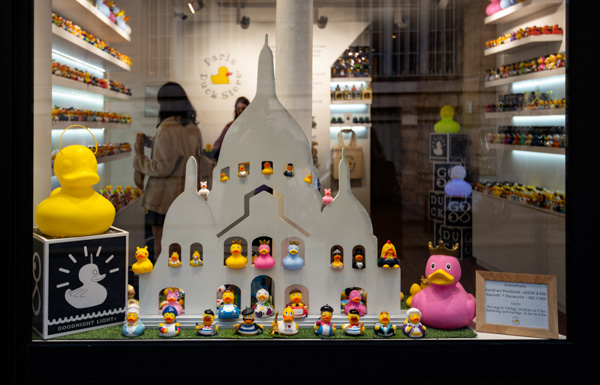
[448, 266]
[432, 266]
[66, 165]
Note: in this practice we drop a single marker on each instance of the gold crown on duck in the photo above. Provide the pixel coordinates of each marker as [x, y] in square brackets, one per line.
[264, 241]
[441, 249]
[294, 242]
[236, 242]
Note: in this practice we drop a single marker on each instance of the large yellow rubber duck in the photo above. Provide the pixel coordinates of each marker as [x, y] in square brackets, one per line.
[75, 209]
[143, 264]
[222, 77]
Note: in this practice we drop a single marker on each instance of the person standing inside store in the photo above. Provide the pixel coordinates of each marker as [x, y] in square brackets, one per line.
[177, 138]
[240, 105]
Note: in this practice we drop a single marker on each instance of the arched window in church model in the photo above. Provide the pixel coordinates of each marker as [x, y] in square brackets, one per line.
[297, 299]
[336, 257]
[262, 296]
[196, 254]
[228, 301]
[293, 254]
[172, 296]
[235, 253]
[358, 257]
[263, 249]
[354, 298]
[174, 255]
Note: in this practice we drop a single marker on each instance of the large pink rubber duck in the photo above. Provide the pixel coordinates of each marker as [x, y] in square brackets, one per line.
[355, 302]
[444, 304]
[264, 260]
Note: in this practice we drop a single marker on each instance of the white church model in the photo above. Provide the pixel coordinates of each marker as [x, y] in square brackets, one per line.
[250, 206]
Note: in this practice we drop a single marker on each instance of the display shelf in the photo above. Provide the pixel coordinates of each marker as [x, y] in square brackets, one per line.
[520, 10]
[88, 15]
[367, 79]
[368, 125]
[63, 124]
[528, 113]
[71, 45]
[360, 101]
[524, 43]
[516, 147]
[520, 204]
[73, 84]
[521, 78]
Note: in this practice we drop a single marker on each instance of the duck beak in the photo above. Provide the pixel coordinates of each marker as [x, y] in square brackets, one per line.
[440, 277]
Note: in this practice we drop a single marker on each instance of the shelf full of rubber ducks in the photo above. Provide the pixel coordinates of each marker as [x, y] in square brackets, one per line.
[120, 196]
[534, 100]
[542, 63]
[353, 63]
[523, 33]
[351, 93]
[535, 136]
[86, 36]
[64, 71]
[71, 114]
[527, 195]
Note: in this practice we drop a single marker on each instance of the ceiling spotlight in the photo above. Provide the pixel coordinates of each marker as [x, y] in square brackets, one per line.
[245, 22]
[322, 22]
[195, 5]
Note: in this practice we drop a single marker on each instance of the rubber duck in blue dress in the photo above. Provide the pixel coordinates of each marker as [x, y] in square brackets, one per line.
[133, 327]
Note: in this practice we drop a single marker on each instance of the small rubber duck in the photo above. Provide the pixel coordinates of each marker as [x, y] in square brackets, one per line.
[355, 326]
[300, 309]
[264, 260]
[208, 327]
[323, 326]
[267, 169]
[289, 170]
[308, 178]
[327, 199]
[355, 303]
[222, 76]
[196, 259]
[174, 260]
[415, 288]
[412, 326]
[293, 260]
[228, 309]
[248, 327]
[287, 326]
[358, 262]
[169, 328]
[242, 170]
[383, 327]
[204, 191]
[263, 307]
[131, 296]
[143, 264]
[337, 260]
[388, 257]
[75, 208]
[132, 326]
[236, 260]
[224, 177]
[172, 299]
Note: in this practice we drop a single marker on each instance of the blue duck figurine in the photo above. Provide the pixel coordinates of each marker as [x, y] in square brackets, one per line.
[293, 260]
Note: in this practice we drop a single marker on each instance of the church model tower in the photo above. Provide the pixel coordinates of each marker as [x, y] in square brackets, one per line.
[265, 192]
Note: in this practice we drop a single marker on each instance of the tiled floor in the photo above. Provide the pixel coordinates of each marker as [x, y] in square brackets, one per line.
[410, 233]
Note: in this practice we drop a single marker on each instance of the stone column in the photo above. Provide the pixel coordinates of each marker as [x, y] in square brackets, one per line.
[293, 59]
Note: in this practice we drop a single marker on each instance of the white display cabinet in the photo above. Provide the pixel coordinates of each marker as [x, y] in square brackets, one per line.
[510, 236]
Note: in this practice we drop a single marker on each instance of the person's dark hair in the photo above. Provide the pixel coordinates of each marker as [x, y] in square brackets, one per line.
[243, 100]
[173, 101]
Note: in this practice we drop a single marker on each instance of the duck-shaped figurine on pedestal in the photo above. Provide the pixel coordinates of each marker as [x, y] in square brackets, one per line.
[204, 191]
[236, 260]
[169, 328]
[174, 260]
[287, 326]
[412, 326]
[337, 260]
[228, 309]
[133, 327]
[196, 259]
[327, 199]
[354, 327]
[323, 326]
[384, 327]
[143, 264]
[388, 257]
[444, 304]
[248, 327]
[355, 303]
[293, 260]
[264, 260]
[222, 76]
[300, 308]
[447, 125]
[263, 307]
[208, 327]
[75, 209]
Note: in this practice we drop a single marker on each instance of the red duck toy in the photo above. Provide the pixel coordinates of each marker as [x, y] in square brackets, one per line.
[444, 304]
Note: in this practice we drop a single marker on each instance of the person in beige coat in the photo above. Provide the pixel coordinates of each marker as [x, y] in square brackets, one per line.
[177, 138]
